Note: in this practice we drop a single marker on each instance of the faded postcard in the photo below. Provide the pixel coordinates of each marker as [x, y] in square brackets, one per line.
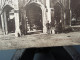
[39, 23]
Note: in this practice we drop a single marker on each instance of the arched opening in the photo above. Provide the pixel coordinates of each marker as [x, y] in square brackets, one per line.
[75, 9]
[10, 21]
[57, 17]
[57, 13]
[9, 17]
[34, 18]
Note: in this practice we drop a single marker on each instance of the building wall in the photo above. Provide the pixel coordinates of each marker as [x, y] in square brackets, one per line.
[49, 10]
[40, 3]
[48, 13]
[6, 7]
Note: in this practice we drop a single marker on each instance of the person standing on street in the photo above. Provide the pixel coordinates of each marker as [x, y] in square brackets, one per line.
[52, 28]
[48, 27]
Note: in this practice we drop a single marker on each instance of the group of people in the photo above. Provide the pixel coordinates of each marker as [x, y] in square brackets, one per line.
[49, 27]
[54, 28]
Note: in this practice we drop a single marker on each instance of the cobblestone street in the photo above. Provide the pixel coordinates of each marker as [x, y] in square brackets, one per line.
[39, 40]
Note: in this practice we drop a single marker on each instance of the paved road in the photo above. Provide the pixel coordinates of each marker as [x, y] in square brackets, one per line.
[39, 40]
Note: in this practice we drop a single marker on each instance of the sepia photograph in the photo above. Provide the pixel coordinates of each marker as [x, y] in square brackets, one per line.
[39, 23]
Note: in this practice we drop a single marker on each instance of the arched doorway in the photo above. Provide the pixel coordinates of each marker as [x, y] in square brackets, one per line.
[58, 17]
[8, 17]
[34, 18]
[10, 21]
[57, 13]
[75, 13]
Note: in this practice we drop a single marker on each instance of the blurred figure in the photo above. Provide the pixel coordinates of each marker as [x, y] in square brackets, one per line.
[48, 27]
[34, 27]
[52, 28]
[58, 27]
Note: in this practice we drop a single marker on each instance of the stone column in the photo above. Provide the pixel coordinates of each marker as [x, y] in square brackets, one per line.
[64, 19]
[70, 11]
[44, 20]
[16, 15]
[2, 21]
[70, 16]
[5, 22]
[17, 28]
[48, 10]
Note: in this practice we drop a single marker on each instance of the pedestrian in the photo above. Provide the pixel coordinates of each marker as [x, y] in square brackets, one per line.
[52, 28]
[48, 27]
[58, 27]
[34, 27]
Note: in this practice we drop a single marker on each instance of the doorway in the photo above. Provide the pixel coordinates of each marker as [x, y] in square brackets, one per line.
[57, 18]
[10, 21]
[57, 13]
[34, 18]
[75, 9]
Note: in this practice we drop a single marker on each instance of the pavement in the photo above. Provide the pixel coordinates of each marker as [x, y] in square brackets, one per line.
[39, 40]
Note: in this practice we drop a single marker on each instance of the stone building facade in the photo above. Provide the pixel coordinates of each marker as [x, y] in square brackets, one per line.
[53, 11]
[10, 16]
[19, 14]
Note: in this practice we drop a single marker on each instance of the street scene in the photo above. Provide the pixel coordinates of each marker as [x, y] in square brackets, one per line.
[39, 23]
